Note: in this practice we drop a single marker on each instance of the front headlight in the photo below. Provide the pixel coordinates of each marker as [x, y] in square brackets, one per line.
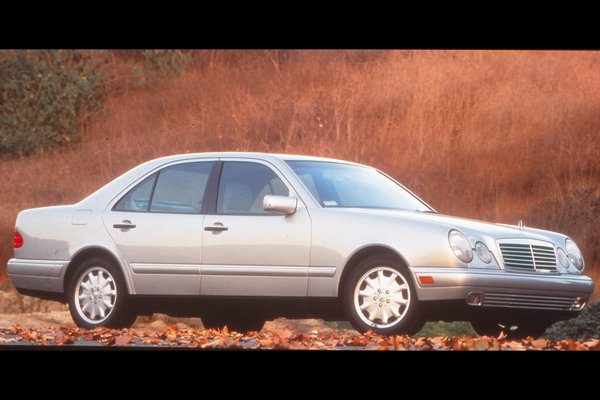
[562, 258]
[574, 254]
[483, 252]
[460, 246]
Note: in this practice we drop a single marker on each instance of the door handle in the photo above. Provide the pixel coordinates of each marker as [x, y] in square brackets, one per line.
[124, 225]
[216, 228]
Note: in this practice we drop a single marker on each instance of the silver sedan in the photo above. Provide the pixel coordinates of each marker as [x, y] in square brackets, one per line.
[239, 238]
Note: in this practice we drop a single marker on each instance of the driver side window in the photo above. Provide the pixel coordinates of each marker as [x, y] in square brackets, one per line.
[244, 185]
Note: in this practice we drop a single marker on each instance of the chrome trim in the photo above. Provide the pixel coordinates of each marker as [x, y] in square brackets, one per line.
[253, 270]
[244, 270]
[513, 300]
[167, 269]
[321, 272]
[528, 255]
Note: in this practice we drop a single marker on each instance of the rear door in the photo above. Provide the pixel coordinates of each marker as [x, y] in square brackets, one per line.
[157, 226]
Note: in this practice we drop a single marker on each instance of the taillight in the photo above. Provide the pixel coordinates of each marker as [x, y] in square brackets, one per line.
[18, 240]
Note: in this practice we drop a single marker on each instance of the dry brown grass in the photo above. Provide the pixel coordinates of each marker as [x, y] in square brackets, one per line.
[495, 135]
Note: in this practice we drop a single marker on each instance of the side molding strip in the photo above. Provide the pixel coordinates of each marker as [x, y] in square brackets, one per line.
[239, 270]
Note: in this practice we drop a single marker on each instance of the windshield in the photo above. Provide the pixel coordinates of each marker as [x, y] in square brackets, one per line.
[344, 185]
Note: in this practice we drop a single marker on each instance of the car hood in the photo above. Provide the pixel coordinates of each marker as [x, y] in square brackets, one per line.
[470, 227]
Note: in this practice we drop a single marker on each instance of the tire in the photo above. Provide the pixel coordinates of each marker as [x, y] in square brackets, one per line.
[108, 296]
[237, 323]
[388, 300]
[512, 330]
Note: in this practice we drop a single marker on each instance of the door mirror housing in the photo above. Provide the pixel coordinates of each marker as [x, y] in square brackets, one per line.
[281, 204]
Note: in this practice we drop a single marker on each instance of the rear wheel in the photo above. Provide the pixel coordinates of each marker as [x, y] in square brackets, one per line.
[98, 296]
[379, 295]
[512, 330]
[238, 323]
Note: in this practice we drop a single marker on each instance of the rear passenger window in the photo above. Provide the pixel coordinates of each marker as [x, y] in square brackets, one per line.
[180, 188]
[138, 198]
[176, 189]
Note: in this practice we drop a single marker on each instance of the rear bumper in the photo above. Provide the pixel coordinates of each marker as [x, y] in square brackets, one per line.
[37, 275]
[502, 289]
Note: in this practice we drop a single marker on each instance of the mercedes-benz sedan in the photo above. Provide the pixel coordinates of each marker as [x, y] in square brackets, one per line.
[240, 238]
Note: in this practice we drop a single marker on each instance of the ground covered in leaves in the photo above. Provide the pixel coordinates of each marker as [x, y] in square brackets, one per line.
[27, 322]
[176, 337]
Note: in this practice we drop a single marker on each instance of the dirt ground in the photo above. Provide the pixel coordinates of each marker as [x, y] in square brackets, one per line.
[37, 314]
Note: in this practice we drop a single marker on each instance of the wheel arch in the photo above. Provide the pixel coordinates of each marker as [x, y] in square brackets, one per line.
[90, 252]
[364, 253]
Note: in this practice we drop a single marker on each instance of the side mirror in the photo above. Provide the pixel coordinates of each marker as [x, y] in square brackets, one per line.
[281, 204]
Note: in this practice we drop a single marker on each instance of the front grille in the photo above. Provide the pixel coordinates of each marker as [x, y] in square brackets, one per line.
[528, 257]
[531, 301]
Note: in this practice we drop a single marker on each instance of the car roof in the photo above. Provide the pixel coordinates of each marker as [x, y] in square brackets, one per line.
[256, 155]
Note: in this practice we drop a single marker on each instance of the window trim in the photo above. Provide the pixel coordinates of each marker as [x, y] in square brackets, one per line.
[157, 173]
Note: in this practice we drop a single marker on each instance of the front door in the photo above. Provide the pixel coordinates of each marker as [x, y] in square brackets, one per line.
[157, 226]
[248, 251]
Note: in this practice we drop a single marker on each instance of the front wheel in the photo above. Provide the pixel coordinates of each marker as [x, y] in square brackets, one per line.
[512, 330]
[379, 295]
[98, 296]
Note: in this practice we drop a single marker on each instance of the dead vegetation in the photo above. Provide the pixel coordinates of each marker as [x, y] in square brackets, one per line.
[495, 135]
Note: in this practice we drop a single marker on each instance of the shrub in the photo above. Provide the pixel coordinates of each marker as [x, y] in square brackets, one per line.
[145, 68]
[166, 61]
[585, 326]
[44, 96]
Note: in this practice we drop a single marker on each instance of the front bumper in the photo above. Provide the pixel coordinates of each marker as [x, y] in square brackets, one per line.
[502, 289]
[36, 275]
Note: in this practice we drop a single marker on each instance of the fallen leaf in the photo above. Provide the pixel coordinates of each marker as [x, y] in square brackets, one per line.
[62, 339]
[286, 334]
[468, 344]
[592, 344]
[481, 344]
[539, 343]
[123, 340]
[265, 342]
[359, 341]
[515, 345]
[496, 345]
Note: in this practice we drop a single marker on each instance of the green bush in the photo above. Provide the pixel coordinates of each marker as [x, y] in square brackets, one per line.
[149, 67]
[585, 326]
[44, 96]
[166, 61]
